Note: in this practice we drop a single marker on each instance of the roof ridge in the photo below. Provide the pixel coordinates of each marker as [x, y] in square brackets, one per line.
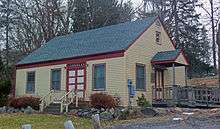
[100, 40]
[108, 26]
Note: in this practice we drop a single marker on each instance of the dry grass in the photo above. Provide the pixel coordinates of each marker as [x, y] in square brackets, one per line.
[41, 121]
[47, 121]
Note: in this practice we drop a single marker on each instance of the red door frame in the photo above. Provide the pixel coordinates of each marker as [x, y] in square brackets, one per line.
[75, 67]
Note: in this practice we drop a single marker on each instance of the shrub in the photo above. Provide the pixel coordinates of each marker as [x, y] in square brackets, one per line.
[5, 86]
[102, 100]
[117, 100]
[23, 102]
[142, 101]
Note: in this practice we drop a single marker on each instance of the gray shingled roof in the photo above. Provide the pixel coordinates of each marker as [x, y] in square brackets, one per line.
[101, 40]
[166, 55]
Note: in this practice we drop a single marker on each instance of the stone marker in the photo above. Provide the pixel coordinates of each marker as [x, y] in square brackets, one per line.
[177, 119]
[26, 126]
[96, 121]
[68, 125]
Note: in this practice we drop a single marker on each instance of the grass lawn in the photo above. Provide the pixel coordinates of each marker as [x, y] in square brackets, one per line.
[47, 121]
[41, 121]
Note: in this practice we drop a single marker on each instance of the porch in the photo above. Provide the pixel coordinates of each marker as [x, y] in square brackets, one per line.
[176, 94]
[163, 92]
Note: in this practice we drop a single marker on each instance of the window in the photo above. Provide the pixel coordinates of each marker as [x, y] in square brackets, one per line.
[99, 77]
[55, 79]
[140, 77]
[30, 86]
[158, 37]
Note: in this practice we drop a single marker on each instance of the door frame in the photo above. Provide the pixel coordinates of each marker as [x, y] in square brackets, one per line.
[75, 67]
[159, 77]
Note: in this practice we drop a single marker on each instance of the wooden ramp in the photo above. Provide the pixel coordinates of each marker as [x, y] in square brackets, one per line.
[190, 96]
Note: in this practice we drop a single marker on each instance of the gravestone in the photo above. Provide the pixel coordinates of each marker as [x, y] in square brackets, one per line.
[68, 125]
[96, 121]
[26, 126]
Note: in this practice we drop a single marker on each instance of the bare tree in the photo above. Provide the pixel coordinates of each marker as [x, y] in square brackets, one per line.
[213, 17]
[218, 43]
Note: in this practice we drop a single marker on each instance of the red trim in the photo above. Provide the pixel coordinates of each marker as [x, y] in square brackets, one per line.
[76, 82]
[73, 60]
[67, 79]
[184, 56]
[93, 68]
[76, 68]
[141, 33]
[84, 94]
[162, 62]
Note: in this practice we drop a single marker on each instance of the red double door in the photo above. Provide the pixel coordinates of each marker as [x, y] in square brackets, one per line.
[76, 78]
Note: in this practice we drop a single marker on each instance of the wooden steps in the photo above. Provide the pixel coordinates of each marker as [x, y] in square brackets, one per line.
[54, 108]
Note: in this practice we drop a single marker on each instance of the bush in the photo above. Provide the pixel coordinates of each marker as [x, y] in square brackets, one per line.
[142, 101]
[102, 100]
[3, 101]
[5, 86]
[25, 101]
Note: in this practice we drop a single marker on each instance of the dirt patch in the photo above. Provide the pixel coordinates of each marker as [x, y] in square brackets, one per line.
[206, 81]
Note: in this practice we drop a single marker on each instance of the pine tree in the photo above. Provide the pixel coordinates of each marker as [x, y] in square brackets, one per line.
[98, 13]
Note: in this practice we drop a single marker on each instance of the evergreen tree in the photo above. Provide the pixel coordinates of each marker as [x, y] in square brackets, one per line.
[98, 13]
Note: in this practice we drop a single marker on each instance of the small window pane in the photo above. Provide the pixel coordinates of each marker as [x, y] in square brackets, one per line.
[71, 80]
[80, 79]
[99, 76]
[56, 79]
[80, 86]
[71, 87]
[80, 72]
[80, 94]
[71, 73]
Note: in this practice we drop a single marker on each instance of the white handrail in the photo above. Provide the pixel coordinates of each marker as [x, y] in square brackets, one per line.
[43, 100]
[66, 94]
[50, 97]
[64, 98]
[46, 95]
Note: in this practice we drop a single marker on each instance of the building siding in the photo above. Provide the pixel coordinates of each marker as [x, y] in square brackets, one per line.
[115, 78]
[118, 69]
[42, 80]
[142, 51]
